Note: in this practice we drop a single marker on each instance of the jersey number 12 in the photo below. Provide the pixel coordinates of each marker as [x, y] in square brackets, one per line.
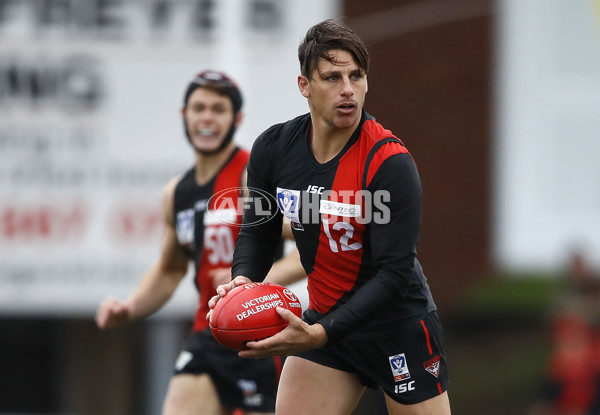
[344, 242]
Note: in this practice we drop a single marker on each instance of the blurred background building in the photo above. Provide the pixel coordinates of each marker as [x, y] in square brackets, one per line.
[497, 100]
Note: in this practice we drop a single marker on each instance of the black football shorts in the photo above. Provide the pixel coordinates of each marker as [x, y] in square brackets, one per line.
[410, 366]
[241, 383]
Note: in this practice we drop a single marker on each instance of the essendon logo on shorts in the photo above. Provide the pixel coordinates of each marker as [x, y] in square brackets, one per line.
[433, 366]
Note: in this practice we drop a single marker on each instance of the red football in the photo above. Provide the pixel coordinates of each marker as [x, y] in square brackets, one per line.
[247, 313]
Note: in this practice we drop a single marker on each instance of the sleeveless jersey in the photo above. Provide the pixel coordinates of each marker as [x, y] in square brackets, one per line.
[207, 220]
[356, 220]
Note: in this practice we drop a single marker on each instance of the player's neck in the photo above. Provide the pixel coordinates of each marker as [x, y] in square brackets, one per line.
[208, 165]
[327, 142]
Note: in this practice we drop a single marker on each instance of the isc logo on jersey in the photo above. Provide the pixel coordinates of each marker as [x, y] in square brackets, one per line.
[315, 189]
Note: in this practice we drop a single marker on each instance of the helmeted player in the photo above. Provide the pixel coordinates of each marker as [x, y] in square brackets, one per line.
[202, 220]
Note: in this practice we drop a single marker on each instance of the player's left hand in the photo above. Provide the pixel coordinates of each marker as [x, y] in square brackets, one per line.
[296, 337]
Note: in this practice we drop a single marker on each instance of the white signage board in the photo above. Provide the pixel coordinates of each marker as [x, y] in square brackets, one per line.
[90, 130]
[547, 188]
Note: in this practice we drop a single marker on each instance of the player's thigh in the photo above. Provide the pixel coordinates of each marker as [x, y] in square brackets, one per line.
[191, 395]
[438, 405]
[309, 388]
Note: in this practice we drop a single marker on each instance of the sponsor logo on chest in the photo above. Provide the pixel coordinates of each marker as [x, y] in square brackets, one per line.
[346, 210]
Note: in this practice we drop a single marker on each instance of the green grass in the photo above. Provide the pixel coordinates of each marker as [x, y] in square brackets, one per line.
[497, 344]
[512, 294]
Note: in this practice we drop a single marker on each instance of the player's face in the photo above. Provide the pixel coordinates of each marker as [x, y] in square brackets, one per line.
[208, 118]
[337, 91]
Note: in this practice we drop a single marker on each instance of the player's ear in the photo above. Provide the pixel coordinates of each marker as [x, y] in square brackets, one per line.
[304, 86]
[182, 112]
[238, 119]
[366, 84]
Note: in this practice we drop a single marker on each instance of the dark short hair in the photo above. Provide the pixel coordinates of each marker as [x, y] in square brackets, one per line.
[217, 82]
[325, 36]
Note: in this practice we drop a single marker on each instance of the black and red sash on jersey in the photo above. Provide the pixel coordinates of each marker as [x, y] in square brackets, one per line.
[228, 181]
[340, 251]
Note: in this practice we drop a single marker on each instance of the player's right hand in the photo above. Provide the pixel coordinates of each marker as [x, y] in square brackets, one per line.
[112, 313]
[223, 289]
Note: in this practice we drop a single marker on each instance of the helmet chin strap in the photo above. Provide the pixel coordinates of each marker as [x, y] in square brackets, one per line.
[226, 140]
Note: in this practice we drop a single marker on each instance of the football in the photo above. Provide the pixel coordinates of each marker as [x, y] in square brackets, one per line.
[248, 313]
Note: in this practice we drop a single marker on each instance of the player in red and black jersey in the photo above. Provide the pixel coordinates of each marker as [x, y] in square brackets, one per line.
[202, 221]
[352, 193]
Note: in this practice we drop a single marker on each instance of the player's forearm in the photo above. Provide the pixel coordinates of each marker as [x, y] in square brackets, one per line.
[155, 289]
[253, 255]
[258, 239]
